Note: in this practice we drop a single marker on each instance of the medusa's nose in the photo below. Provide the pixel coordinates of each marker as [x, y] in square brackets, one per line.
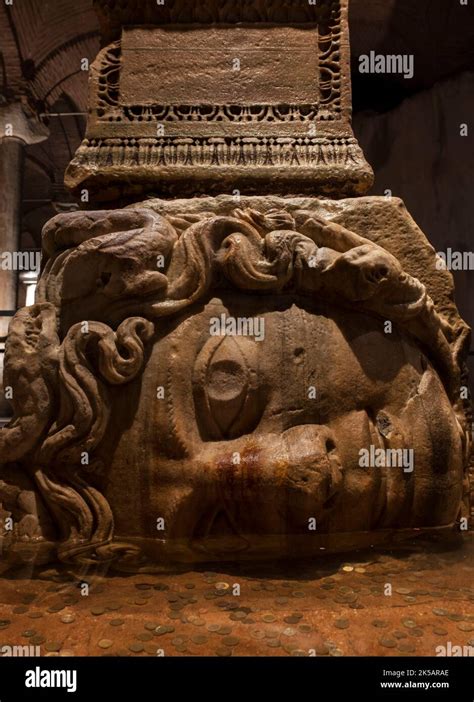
[314, 467]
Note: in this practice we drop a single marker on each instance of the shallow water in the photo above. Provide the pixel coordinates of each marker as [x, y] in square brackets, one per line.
[371, 604]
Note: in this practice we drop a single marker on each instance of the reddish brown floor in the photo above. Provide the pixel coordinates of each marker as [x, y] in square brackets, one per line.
[337, 608]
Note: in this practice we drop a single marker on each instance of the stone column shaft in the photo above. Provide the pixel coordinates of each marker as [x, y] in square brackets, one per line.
[11, 163]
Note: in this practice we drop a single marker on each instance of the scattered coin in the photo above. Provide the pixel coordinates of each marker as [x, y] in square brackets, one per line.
[388, 643]
[52, 646]
[257, 634]
[29, 633]
[409, 623]
[406, 648]
[269, 618]
[273, 643]
[289, 631]
[235, 616]
[145, 636]
[379, 623]
[213, 627]
[56, 608]
[465, 626]
[224, 630]
[293, 619]
[151, 626]
[230, 640]
[116, 622]
[161, 630]
[399, 634]
[336, 652]
[305, 628]
[440, 612]
[37, 640]
[341, 624]
[417, 632]
[105, 643]
[20, 610]
[222, 652]
[281, 600]
[136, 648]
[199, 639]
[68, 618]
[97, 611]
[455, 617]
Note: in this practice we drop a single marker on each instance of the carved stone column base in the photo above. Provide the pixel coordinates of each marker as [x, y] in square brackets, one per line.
[222, 378]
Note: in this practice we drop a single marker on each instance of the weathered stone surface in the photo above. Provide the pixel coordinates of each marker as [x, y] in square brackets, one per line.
[229, 441]
[231, 377]
[251, 98]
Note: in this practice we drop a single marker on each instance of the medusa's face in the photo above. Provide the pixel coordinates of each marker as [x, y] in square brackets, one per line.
[261, 420]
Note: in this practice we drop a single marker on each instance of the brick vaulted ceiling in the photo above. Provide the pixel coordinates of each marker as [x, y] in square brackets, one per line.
[42, 43]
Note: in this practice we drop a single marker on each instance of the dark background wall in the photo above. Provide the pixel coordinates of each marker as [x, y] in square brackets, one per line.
[410, 129]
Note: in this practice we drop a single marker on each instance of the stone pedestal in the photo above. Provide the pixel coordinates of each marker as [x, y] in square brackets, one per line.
[248, 97]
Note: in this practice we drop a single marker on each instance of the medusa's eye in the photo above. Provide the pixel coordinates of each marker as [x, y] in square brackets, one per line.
[225, 387]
